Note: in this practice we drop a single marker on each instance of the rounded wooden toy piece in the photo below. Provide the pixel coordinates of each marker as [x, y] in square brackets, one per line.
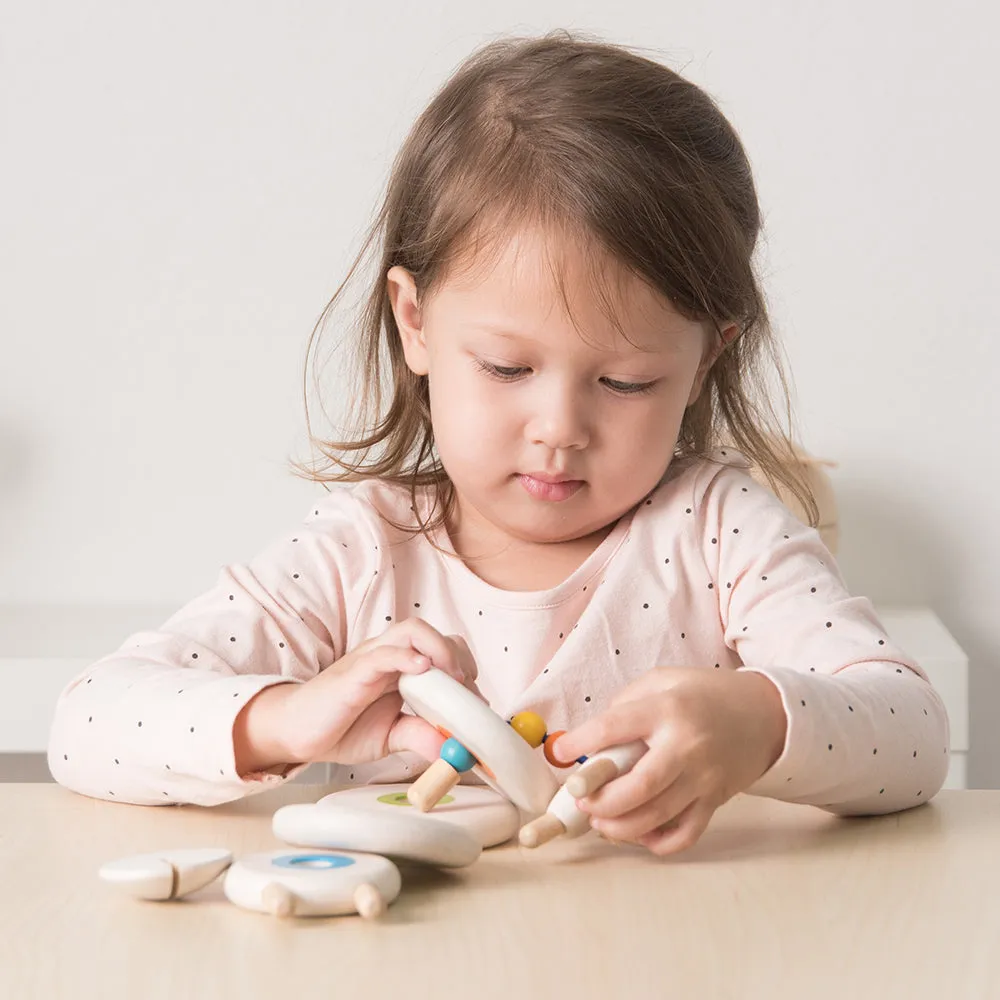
[456, 755]
[591, 776]
[369, 901]
[530, 726]
[433, 785]
[311, 883]
[168, 874]
[541, 830]
[278, 900]
[409, 836]
[600, 768]
[506, 763]
[604, 767]
[482, 812]
[550, 742]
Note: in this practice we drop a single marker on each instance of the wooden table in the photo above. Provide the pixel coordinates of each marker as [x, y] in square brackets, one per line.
[775, 901]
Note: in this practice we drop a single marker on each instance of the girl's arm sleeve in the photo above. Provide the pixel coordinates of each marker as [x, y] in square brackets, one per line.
[866, 731]
[152, 722]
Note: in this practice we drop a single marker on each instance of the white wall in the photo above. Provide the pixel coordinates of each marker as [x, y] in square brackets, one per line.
[181, 186]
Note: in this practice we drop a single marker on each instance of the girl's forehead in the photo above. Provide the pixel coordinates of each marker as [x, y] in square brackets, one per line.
[515, 281]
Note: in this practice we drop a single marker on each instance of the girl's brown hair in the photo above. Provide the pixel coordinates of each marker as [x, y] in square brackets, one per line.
[593, 140]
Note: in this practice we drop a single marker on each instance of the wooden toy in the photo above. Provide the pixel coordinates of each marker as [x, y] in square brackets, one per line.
[408, 836]
[166, 874]
[312, 883]
[562, 818]
[487, 745]
[484, 813]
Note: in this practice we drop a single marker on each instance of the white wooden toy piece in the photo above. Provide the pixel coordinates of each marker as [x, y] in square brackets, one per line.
[518, 772]
[562, 818]
[166, 874]
[312, 883]
[407, 836]
[486, 814]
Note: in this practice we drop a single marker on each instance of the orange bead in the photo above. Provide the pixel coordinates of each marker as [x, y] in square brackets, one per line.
[549, 743]
[530, 726]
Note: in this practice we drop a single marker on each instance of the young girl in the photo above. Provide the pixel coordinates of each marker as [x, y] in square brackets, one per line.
[570, 329]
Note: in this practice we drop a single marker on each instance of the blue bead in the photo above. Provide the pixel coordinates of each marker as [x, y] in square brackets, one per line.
[455, 754]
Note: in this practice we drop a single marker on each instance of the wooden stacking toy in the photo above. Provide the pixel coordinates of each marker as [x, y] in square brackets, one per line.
[166, 874]
[353, 834]
[283, 883]
[313, 883]
[478, 740]
[490, 817]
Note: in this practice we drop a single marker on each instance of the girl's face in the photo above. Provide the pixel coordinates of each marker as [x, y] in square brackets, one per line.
[519, 399]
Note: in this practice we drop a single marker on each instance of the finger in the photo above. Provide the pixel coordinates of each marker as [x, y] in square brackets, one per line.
[649, 816]
[682, 832]
[467, 662]
[632, 720]
[654, 681]
[410, 732]
[371, 675]
[424, 638]
[382, 662]
[656, 771]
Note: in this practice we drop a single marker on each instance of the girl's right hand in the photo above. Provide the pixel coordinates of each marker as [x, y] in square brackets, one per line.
[351, 711]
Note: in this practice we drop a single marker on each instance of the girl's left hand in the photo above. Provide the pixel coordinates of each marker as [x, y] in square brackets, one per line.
[711, 734]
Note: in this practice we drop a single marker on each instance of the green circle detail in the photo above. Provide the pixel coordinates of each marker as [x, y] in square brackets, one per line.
[400, 799]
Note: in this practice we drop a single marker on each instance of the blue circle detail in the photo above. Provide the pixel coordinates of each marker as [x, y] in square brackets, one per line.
[457, 755]
[315, 861]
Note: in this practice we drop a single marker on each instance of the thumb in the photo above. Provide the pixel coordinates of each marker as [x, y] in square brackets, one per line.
[410, 732]
[618, 724]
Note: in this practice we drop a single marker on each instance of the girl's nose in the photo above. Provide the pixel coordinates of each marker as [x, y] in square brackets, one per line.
[559, 420]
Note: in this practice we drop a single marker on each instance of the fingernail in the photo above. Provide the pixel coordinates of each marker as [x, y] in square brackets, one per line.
[420, 661]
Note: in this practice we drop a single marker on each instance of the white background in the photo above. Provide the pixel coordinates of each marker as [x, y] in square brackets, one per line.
[182, 186]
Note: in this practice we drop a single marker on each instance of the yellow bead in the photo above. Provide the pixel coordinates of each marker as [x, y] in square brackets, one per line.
[530, 726]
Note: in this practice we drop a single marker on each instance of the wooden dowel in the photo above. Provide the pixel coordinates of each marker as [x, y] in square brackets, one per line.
[541, 830]
[428, 790]
[369, 901]
[591, 776]
[279, 900]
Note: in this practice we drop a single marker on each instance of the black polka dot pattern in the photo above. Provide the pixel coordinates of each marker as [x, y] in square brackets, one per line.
[705, 599]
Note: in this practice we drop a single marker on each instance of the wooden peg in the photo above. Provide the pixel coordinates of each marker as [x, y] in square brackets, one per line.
[369, 901]
[279, 900]
[541, 830]
[596, 772]
[428, 790]
[442, 776]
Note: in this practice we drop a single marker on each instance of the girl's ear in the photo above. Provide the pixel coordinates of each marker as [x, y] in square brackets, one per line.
[402, 292]
[729, 334]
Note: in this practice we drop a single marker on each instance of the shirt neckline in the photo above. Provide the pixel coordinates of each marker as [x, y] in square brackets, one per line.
[498, 597]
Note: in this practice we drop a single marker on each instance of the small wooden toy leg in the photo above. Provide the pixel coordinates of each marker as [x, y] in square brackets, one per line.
[541, 830]
[428, 790]
[279, 900]
[562, 817]
[596, 772]
[432, 786]
[369, 901]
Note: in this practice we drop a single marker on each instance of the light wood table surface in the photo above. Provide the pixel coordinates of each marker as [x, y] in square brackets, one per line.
[775, 901]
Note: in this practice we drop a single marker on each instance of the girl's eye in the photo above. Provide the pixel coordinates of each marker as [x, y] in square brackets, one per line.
[511, 373]
[629, 388]
[498, 372]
